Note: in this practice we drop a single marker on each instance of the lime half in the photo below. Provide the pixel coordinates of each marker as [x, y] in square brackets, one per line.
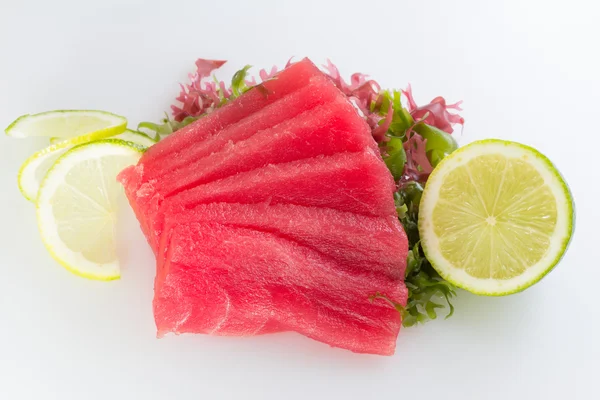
[77, 207]
[495, 217]
[67, 124]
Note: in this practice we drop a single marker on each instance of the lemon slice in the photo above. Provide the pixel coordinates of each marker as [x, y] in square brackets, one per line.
[34, 169]
[72, 127]
[129, 136]
[77, 205]
[68, 124]
[495, 217]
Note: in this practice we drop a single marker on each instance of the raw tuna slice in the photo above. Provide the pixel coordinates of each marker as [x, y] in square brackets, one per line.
[325, 130]
[353, 182]
[360, 244]
[320, 90]
[301, 290]
[275, 213]
[287, 81]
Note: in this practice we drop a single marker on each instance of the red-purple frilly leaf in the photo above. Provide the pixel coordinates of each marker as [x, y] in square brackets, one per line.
[418, 167]
[332, 71]
[200, 97]
[367, 93]
[416, 146]
[357, 80]
[205, 67]
[264, 75]
[435, 113]
[223, 90]
[196, 99]
[383, 124]
[363, 92]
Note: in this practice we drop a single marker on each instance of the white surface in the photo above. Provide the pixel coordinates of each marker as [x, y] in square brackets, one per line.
[526, 70]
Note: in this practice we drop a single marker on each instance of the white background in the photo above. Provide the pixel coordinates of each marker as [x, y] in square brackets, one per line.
[526, 70]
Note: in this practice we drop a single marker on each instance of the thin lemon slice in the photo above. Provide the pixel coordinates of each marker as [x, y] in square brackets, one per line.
[68, 124]
[34, 169]
[495, 217]
[77, 206]
[129, 136]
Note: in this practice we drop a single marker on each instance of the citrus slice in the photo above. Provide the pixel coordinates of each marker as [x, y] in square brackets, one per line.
[129, 136]
[137, 138]
[77, 206]
[495, 217]
[34, 169]
[67, 124]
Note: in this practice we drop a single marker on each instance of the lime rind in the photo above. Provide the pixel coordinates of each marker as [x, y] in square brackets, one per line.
[559, 240]
[137, 138]
[128, 135]
[31, 125]
[110, 141]
[27, 175]
[11, 128]
[28, 172]
[76, 262]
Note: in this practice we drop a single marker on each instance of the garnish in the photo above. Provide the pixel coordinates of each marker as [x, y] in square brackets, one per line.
[496, 217]
[425, 286]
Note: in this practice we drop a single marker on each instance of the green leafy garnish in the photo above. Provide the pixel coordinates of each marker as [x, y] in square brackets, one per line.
[396, 157]
[427, 290]
[401, 119]
[167, 127]
[439, 143]
[238, 82]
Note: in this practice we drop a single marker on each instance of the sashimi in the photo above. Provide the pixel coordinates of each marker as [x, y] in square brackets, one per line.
[360, 244]
[325, 130]
[351, 182]
[290, 79]
[338, 308]
[320, 90]
[275, 213]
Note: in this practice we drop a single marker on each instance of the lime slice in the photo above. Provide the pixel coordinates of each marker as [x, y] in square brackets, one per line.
[34, 169]
[137, 137]
[495, 217]
[129, 136]
[77, 206]
[68, 124]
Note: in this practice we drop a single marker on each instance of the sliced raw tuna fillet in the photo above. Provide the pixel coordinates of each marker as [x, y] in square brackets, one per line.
[209, 265]
[320, 90]
[275, 213]
[325, 130]
[139, 196]
[287, 81]
[328, 129]
[353, 182]
[360, 244]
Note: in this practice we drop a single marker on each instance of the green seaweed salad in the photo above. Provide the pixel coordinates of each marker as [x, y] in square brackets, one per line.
[412, 140]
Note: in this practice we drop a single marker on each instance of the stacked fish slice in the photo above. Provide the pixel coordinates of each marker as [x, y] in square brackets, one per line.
[275, 213]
